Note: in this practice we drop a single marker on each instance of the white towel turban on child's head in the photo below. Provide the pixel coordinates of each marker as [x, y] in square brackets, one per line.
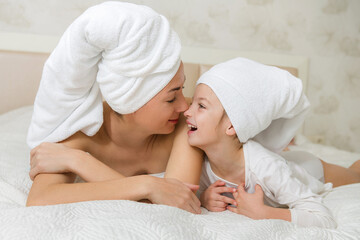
[123, 52]
[263, 103]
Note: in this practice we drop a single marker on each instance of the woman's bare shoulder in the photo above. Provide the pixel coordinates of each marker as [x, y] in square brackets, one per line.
[165, 141]
[79, 140]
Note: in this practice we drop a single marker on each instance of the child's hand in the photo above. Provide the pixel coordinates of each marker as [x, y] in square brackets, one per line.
[212, 199]
[250, 205]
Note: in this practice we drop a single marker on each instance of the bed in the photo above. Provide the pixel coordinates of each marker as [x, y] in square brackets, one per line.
[21, 59]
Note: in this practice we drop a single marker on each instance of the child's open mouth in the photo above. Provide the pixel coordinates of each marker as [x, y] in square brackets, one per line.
[192, 127]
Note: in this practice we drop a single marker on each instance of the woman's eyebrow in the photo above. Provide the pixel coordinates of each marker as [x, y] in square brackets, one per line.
[177, 88]
[174, 89]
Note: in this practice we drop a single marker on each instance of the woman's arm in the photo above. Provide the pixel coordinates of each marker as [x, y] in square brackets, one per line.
[64, 158]
[185, 161]
[49, 189]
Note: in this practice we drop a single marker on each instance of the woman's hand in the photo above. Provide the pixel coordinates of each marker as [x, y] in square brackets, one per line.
[172, 192]
[212, 199]
[52, 158]
[250, 204]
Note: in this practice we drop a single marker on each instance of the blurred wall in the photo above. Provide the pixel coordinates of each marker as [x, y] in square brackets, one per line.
[326, 31]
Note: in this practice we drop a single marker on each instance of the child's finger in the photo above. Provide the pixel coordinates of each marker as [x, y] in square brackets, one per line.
[232, 209]
[218, 183]
[258, 189]
[237, 210]
[235, 194]
[241, 188]
[228, 200]
[218, 209]
[219, 204]
[225, 190]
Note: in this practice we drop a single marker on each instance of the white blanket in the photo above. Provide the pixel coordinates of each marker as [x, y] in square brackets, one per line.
[120, 219]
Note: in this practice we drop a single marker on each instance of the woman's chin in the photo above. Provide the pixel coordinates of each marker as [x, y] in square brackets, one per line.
[167, 130]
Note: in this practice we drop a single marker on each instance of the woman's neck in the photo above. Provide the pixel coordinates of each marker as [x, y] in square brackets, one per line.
[123, 132]
[227, 161]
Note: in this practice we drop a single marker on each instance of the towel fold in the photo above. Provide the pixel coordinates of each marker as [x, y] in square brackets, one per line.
[123, 52]
[263, 103]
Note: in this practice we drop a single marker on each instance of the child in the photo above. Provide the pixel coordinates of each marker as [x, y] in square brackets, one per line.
[243, 114]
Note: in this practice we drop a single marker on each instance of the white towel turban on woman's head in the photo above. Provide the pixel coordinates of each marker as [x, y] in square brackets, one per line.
[263, 103]
[123, 52]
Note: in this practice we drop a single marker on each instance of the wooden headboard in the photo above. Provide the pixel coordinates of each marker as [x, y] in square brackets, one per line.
[22, 57]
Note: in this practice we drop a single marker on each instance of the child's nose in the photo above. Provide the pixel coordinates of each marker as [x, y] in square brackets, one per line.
[187, 113]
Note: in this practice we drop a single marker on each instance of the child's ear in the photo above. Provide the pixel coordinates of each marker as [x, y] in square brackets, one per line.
[230, 130]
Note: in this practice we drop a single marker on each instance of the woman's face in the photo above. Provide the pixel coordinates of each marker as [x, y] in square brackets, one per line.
[205, 118]
[161, 113]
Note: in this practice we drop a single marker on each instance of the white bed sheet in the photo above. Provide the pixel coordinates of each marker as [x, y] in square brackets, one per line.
[121, 219]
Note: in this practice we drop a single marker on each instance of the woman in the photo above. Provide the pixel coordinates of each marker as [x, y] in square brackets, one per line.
[128, 55]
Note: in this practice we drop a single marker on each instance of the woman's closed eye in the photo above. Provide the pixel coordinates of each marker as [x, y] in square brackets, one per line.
[201, 106]
[172, 100]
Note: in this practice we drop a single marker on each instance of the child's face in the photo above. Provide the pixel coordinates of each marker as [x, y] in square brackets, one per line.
[205, 118]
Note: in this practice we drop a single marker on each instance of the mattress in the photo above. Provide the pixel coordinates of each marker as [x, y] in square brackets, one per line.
[122, 219]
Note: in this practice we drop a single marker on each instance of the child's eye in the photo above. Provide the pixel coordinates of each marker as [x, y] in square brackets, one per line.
[172, 100]
[201, 106]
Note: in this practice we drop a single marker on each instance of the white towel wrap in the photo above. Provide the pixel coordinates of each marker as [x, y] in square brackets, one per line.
[126, 51]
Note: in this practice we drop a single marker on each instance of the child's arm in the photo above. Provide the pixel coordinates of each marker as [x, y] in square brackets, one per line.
[307, 212]
[305, 205]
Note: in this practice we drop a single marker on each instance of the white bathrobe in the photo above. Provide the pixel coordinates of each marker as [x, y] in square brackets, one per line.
[285, 184]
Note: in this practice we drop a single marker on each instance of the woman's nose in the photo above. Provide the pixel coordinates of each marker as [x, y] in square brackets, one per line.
[183, 106]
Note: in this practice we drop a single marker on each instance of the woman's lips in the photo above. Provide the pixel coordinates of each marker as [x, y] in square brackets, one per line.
[174, 120]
